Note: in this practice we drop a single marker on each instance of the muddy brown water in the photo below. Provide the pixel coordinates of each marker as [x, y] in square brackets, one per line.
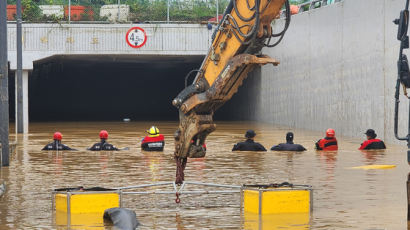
[344, 198]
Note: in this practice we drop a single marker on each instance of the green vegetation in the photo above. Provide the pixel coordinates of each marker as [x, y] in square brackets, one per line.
[140, 10]
[31, 11]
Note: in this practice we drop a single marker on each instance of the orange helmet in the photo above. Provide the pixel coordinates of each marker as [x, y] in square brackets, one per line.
[57, 136]
[103, 134]
[330, 133]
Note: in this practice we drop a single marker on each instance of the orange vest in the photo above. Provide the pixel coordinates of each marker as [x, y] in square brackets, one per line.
[327, 144]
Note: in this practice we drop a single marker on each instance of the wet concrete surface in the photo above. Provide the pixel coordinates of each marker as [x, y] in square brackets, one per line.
[344, 198]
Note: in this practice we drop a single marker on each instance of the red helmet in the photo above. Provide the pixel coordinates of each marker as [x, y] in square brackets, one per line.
[103, 134]
[330, 133]
[57, 136]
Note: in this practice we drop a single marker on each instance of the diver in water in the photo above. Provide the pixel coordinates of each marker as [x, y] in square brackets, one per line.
[103, 144]
[249, 144]
[154, 141]
[289, 145]
[372, 142]
[56, 144]
[328, 143]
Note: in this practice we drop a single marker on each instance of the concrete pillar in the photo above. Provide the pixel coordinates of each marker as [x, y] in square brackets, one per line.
[4, 84]
[22, 102]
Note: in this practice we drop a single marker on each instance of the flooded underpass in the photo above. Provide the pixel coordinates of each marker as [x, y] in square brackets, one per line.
[100, 88]
[343, 198]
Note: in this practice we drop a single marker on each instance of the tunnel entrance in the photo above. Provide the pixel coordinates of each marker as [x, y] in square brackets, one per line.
[102, 88]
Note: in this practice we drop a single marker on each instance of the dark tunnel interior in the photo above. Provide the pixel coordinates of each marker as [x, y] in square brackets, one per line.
[107, 89]
[84, 88]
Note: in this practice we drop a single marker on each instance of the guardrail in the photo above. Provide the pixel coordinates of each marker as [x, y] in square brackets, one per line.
[313, 4]
[309, 5]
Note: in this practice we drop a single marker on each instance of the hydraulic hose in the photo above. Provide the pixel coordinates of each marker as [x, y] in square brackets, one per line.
[240, 15]
[282, 33]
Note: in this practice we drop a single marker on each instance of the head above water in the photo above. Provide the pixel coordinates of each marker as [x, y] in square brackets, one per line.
[57, 136]
[103, 134]
[330, 133]
[153, 131]
[250, 134]
[371, 134]
[289, 137]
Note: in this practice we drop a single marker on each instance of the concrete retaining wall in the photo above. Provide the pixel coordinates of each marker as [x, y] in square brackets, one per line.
[338, 70]
[44, 40]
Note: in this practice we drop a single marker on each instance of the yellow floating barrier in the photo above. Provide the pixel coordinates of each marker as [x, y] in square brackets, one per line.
[367, 167]
[277, 198]
[288, 221]
[84, 207]
[276, 206]
[82, 221]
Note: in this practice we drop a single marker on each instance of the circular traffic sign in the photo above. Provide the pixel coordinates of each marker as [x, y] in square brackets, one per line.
[136, 37]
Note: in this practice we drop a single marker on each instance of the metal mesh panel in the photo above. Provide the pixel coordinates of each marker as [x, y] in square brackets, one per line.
[117, 11]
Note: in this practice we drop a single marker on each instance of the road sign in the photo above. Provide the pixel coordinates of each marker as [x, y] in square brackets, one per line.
[136, 37]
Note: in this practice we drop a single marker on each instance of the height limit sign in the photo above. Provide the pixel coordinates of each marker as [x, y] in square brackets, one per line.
[136, 37]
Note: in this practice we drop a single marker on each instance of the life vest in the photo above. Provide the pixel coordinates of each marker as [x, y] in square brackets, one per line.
[153, 143]
[373, 144]
[327, 144]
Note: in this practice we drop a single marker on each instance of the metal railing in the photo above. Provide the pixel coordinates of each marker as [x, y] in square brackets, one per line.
[313, 4]
[178, 190]
[118, 11]
[304, 6]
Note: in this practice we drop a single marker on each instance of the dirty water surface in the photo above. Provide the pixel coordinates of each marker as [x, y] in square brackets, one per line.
[343, 198]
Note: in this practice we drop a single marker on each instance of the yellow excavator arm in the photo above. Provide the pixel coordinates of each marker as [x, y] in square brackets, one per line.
[236, 50]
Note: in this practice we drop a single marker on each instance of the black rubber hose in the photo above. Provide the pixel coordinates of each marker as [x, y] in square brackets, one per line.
[189, 74]
[287, 22]
[242, 17]
[282, 33]
[227, 11]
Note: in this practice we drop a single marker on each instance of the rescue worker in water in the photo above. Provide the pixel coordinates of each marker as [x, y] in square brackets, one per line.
[249, 144]
[289, 145]
[154, 141]
[103, 144]
[56, 144]
[327, 143]
[372, 142]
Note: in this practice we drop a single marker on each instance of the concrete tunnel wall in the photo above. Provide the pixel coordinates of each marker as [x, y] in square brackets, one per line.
[338, 70]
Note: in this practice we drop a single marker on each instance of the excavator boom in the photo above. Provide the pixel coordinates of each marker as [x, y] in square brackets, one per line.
[235, 51]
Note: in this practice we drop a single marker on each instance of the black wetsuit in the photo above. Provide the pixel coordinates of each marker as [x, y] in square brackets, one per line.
[56, 145]
[103, 146]
[289, 146]
[248, 145]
